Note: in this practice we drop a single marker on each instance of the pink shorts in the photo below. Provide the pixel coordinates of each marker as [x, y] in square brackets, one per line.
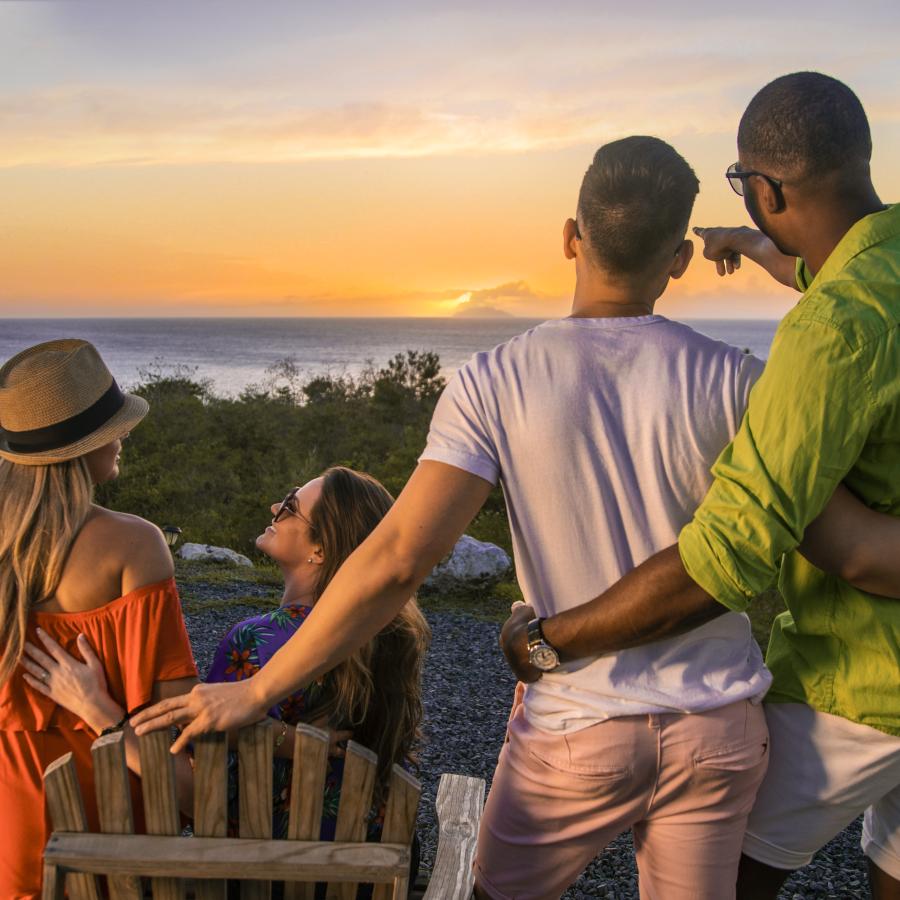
[684, 783]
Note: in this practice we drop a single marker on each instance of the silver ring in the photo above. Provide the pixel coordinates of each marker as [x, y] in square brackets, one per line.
[45, 677]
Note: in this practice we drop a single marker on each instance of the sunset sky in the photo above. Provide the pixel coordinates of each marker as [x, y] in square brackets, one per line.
[211, 158]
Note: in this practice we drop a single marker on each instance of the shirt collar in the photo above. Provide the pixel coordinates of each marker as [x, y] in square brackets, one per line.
[867, 232]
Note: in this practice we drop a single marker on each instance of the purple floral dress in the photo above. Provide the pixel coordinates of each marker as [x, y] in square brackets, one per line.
[246, 648]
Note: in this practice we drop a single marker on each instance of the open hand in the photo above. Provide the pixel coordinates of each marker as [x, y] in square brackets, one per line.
[77, 686]
[514, 642]
[208, 707]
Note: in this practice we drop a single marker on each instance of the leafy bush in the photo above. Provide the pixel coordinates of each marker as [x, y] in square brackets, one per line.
[213, 465]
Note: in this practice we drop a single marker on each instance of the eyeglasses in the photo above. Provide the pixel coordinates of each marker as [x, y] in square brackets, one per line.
[289, 507]
[736, 177]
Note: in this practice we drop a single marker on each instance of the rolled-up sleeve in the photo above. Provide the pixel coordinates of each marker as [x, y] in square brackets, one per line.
[807, 420]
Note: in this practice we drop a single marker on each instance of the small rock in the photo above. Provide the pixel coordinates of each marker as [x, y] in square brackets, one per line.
[470, 564]
[207, 552]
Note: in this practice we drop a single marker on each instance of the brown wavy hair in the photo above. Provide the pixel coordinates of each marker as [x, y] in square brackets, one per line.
[377, 692]
[42, 509]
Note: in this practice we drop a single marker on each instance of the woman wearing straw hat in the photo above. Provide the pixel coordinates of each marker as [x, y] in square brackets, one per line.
[75, 571]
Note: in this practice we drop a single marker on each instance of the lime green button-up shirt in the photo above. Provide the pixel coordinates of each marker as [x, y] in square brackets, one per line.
[825, 410]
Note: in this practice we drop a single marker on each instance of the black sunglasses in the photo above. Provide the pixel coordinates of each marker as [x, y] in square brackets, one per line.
[736, 177]
[289, 507]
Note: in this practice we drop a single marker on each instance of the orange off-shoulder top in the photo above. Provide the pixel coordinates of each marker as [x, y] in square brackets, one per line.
[140, 638]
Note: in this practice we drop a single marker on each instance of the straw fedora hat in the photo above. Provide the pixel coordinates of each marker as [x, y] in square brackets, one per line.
[58, 401]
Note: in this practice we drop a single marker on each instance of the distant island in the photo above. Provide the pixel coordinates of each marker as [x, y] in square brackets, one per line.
[481, 312]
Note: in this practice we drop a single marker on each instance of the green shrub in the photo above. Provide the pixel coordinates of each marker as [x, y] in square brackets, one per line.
[213, 465]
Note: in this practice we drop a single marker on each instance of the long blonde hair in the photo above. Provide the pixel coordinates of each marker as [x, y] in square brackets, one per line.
[42, 509]
[377, 691]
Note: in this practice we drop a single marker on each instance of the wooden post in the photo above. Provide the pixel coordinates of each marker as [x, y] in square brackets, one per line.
[307, 797]
[67, 814]
[459, 804]
[356, 800]
[114, 804]
[54, 883]
[255, 751]
[210, 800]
[160, 802]
[399, 825]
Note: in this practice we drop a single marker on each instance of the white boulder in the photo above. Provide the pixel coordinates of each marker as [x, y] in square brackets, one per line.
[208, 553]
[470, 564]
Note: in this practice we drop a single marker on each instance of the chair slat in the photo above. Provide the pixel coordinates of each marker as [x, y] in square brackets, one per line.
[459, 804]
[357, 788]
[141, 854]
[66, 807]
[210, 800]
[255, 750]
[160, 802]
[53, 883]
[307, 797]
[399, 824]
[114, 804]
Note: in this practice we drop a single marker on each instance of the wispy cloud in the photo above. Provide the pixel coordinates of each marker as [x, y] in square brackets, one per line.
[651, 90]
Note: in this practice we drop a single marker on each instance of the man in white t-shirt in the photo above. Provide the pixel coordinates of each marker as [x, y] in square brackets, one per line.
[602, 428]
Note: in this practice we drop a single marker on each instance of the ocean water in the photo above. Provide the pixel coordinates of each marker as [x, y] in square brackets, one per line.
[233, 353]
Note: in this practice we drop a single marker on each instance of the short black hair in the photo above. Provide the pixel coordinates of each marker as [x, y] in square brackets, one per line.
[805, 124]
[636, 196]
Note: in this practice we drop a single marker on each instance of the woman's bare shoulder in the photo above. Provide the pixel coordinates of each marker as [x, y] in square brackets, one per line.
[113, 554]
[132, 544]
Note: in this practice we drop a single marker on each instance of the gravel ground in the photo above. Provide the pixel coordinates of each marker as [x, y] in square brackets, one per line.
[468, 690]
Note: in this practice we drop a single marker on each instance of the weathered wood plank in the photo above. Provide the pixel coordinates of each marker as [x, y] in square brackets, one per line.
[307, 796]
[255, 750]
[114, 803]
[53, 884]
[160, 802]
[66, 807]
[210, 800]
[357, 787]
[399, 824]
[167, 856]
[459, 803]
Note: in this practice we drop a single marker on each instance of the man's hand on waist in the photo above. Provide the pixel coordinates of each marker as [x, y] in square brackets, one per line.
[514, 642]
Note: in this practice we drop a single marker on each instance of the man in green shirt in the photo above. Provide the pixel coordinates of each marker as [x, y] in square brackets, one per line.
[825, 411]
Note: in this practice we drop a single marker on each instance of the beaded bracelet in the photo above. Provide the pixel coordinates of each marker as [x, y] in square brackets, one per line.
[111, 729]
[280, 739]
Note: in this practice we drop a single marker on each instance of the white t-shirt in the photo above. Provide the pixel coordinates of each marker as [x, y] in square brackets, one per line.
[602, 433]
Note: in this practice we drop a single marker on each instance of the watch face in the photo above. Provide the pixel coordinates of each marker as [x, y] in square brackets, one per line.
[543, 657]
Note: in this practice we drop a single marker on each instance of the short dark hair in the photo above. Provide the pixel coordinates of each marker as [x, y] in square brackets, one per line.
[805, 124]
[636, 196]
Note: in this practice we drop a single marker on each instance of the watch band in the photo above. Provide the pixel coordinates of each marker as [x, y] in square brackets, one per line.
[535, 633]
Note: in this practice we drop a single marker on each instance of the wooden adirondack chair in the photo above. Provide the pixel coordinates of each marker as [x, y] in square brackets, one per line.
[179, 867]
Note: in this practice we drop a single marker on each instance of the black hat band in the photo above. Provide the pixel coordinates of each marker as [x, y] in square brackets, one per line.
[69, 431]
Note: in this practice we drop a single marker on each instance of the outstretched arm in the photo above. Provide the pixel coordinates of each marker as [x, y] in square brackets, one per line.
[857, 544]
[726, 247]
[368, 591]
